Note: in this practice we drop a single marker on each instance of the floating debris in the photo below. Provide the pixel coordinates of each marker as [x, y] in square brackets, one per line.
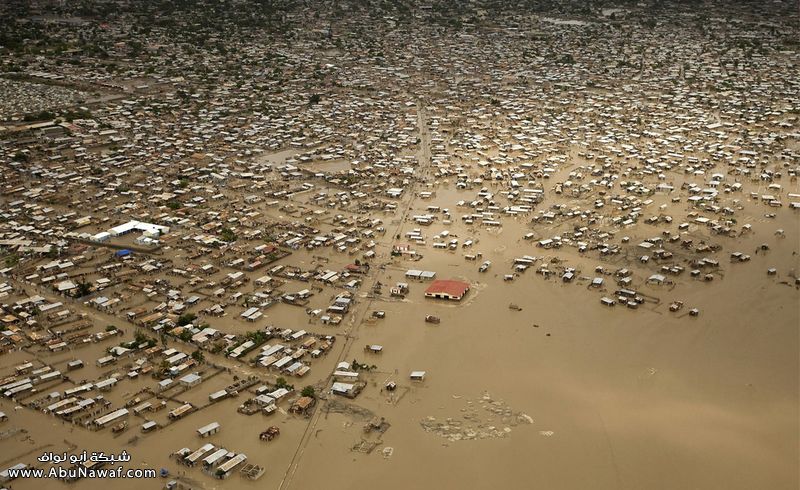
[364, 446]
[477, 421]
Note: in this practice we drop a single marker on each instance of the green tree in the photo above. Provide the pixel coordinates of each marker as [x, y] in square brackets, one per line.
[186, 319]
[257, 336]
[84, 288]
[198, 356]
[227, 235]
[309, 392]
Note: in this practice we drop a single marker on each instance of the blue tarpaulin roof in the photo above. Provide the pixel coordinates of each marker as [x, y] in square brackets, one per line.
[123, 253]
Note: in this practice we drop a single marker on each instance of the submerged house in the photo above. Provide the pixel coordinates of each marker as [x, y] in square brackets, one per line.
[447, 289]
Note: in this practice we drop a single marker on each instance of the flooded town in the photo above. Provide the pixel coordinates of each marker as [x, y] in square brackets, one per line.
[291, 244]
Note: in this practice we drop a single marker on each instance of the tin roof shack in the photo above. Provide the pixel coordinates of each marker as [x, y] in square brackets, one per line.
[105, 361]
[192, 379]
[448, 289]
[111, 417]
[180, 411]
[73, 365]
[349, 390]
[420, 275]
[193, 458]
[302, 405]
[218, 395]
[106, 384]
[211, 461]
[226, 469]
[208, 430]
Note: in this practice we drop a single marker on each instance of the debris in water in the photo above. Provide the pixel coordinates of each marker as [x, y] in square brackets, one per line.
[486, 419]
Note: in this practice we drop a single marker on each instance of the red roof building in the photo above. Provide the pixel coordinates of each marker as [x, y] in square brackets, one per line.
[447, 289]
